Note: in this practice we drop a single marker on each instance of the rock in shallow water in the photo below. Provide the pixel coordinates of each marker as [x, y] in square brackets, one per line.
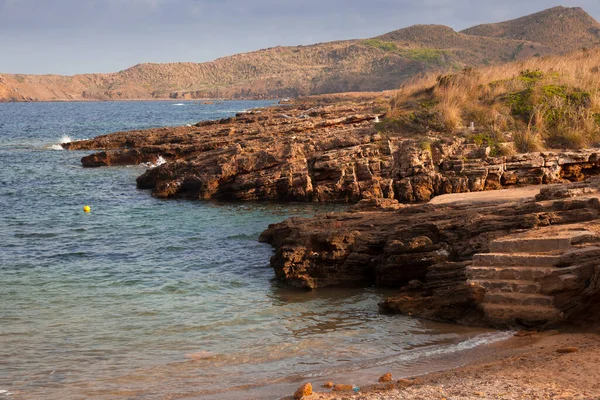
[304, 390]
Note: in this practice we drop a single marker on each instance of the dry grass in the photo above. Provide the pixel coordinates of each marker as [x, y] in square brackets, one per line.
[551, 102]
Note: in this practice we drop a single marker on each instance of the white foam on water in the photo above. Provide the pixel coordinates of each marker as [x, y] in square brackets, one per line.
[160, 161]
[179, 104]
[471, 343]
[63, 140]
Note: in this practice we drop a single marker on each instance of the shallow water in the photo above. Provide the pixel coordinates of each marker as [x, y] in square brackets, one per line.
[159, 299]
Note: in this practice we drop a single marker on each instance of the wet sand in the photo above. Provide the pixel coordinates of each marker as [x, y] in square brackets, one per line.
[548, 365]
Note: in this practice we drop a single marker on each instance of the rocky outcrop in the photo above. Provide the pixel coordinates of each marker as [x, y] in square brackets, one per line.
[323, 153]
[391, 247]
[534, 278]
[460, 263]
[334, 153]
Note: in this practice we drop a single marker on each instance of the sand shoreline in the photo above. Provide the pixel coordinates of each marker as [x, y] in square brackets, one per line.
[545, 365]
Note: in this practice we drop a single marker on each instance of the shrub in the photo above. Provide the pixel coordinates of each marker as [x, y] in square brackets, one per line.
[528, 141]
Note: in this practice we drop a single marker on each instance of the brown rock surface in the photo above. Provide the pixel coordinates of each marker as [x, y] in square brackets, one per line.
[340, 387]
[427, 250]
[326, 153]
[392, 247]
[304, 390]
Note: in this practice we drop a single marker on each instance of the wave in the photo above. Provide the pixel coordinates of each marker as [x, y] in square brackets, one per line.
[159, 161]
[471, 343]
[178, 104]
[63, 140]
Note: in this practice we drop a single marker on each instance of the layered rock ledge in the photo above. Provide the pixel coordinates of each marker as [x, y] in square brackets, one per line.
[543, 267]
[323, 153]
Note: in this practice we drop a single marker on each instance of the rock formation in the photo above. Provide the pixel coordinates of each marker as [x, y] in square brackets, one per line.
[437, 254]
[532, 262]
[323, 153]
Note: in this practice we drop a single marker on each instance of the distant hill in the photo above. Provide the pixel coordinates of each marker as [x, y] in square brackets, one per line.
[563, 29]
[379, 63]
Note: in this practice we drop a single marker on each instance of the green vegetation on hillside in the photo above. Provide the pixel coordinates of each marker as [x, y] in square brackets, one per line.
[425, 55]
[541, 103]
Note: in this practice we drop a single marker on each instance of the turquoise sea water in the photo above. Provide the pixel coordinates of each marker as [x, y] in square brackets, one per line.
[144, 298]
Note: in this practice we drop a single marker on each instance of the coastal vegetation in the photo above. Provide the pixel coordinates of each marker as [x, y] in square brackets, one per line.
[547, 102]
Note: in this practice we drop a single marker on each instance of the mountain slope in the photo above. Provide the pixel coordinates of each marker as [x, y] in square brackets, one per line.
[563, 29]
[379, 63]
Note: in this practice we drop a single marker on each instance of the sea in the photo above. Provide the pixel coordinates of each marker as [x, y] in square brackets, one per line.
[164, 299]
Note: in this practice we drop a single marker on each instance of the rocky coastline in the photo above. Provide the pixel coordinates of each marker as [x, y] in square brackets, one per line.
[323, 153]
[328, 149]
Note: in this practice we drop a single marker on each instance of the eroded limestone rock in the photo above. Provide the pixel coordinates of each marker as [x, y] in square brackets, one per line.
[328, 153]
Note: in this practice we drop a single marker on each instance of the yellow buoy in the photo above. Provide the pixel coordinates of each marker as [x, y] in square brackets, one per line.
[86, 209]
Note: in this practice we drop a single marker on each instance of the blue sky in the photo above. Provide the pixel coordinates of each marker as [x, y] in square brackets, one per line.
[80, 36]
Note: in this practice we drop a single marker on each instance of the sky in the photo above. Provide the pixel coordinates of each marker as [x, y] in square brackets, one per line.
[82, 36]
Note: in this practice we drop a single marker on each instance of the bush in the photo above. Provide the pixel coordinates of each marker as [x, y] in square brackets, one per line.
[528, 141]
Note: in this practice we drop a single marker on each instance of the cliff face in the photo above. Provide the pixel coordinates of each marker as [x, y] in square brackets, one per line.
[374, 64]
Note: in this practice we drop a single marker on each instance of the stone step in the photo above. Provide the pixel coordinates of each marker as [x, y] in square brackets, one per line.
[519, 299]
[528, 315]
[531, 245]
[509, 272]
[507, 285]
[515, 259]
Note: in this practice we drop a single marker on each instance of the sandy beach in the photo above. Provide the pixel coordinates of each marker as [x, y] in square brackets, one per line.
[546, 365]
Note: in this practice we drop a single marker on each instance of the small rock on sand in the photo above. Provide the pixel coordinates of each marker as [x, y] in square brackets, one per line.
[328, 385]
[386, 378]
[342, 388]
[565, 350]
[405, 383]
[304, 390]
